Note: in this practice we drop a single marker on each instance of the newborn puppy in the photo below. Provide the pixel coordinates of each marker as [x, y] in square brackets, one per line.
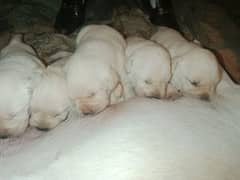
[196, 71]
[50, 102]
[148, 67]
[95, 68]
[20, 70]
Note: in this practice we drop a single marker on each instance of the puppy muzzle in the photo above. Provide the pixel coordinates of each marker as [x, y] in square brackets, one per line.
[87, 109]
[205, 97]
[4, 134]
[154, 96]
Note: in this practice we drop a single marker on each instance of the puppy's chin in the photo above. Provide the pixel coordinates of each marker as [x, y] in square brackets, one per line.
[205, 96]
[91, 107]
[157, 93]
[142, 93]
[11, 128]
[44, 121]
[45, 124]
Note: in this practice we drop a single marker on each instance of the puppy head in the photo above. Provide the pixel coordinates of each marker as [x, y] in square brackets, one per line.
[149, 71]
[50, 103]
[196, 74]
[13, 124]
[14, 104]
[93, 86]
[47, 120]
[16, 44]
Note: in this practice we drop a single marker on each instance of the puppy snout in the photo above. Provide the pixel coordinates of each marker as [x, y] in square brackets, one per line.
[87, 113]
[86, 110]
[4, 134]
[205, 97]
[155, 96]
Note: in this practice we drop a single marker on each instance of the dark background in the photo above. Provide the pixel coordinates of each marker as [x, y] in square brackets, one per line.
[22, 15]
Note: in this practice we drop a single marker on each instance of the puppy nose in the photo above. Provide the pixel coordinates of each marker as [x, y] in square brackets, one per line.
[43, 129]
[205, 97]
[4, 133]
[87, 113]
[4, 136]
[155, 95]
[86, 110]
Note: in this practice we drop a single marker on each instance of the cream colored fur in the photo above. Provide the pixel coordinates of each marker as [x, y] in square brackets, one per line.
[94, 70]
[195, 70]
[20, 71]
[148, 66]
[50, 102]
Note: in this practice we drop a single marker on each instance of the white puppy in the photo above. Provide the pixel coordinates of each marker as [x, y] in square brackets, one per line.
[195, 70]
[94, 70]
[20, 71]
[148, 67]
[50, 102]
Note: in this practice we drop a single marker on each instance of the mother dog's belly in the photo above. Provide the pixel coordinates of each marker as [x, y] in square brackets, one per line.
[151, 140]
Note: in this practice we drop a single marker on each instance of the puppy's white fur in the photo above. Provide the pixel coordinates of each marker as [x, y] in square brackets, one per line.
[148, 67]
[94, 70]
[195, 70]
[50, 102]
[20, 70]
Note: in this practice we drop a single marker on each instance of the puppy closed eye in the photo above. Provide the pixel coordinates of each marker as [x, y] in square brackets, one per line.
[194, 83]
[148, 81]
[92, 94]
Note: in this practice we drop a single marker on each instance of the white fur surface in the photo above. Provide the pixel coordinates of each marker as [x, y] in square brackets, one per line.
[94, 70]
[20, 71]
[148, 67]
[195, 70]
[141, 139]
[50, 102]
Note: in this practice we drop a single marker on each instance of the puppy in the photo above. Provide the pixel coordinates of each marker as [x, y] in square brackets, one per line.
[196, 71]
[20, 71]
[50, 102]
[94, 70]
[148, 67]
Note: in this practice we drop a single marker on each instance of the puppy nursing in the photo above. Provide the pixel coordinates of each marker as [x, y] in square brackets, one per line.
[50, 102]
[93, 71]
[20, 70]
[103, 70]
[195, 70]
[148, 67]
